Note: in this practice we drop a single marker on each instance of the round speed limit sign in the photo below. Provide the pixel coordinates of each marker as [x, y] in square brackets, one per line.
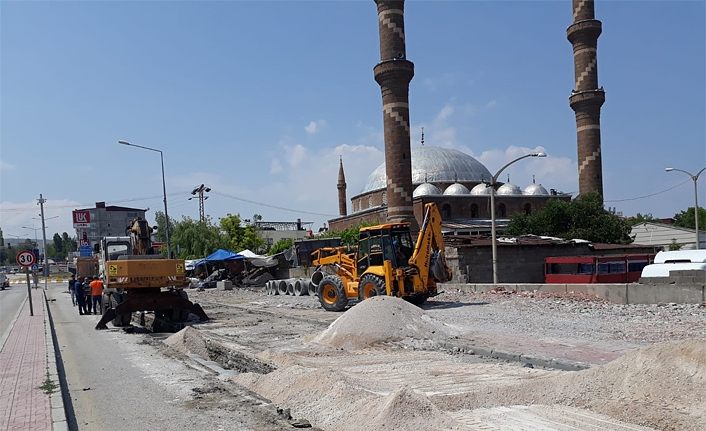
[25, 258]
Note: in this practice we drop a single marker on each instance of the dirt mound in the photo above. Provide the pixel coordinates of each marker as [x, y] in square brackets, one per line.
[380, 319]
[661, 386]
[407, 409]
[329, 400]
[188, 340]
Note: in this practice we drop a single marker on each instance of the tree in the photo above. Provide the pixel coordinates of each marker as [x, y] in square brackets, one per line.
[349, 237]
[281, 246]
[686, 218]
[160, 222]
[193, 238]
[641, 218]
[583, 218]
[60, 252]
[240, 237]
[70, 244]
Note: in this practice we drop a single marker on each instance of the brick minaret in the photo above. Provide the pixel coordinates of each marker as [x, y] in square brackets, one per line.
[393, 73]
[587, 98]
[341, 190]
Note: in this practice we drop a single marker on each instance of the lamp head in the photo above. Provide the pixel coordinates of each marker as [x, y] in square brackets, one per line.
[540, 154]
[123, 142]
[668, 169]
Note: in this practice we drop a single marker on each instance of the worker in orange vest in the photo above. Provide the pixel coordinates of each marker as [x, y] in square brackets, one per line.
[96, 294]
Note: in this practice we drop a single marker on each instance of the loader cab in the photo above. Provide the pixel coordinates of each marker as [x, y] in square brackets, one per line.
[377, 244]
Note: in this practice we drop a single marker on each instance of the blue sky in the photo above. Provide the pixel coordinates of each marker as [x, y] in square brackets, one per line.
[259, 99]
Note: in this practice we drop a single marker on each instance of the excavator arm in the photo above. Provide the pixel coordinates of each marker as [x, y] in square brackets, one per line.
[429, 248]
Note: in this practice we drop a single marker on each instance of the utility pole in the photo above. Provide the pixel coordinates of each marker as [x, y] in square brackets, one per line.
[40, 202]
[199, 191]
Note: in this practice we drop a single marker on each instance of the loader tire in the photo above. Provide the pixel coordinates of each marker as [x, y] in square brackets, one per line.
[331, 293]
[371, 285]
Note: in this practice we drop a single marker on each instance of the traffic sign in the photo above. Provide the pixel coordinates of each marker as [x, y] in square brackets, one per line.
[25, 258]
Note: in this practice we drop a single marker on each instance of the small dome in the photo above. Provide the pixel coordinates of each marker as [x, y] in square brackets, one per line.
[535, 190]
[426, 189]
[508, 189]
[481, 189]
[456, 189]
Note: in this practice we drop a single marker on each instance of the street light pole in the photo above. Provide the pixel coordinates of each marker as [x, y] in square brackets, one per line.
[695, 179]
[493, 181]
[164, 192]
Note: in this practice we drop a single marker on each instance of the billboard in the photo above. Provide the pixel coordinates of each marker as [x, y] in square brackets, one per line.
[82, 218]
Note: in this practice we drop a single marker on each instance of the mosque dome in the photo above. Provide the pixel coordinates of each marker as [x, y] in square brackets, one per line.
[436, 164]
[480, 189]
[456, 189]
[508, 189]
[535, 190]
[426, 189]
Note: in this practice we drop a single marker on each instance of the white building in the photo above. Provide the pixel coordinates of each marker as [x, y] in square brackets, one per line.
[662, 235]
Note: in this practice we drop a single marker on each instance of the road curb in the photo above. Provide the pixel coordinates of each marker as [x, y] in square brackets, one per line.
[56, 400]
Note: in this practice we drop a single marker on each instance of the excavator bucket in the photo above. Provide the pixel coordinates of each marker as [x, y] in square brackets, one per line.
[139, 300]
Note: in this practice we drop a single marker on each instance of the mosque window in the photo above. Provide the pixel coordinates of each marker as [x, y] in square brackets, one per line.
[384, 198]
[446, 211]
[528, 209]
[474, 210]
[502, 211]
[370, 201]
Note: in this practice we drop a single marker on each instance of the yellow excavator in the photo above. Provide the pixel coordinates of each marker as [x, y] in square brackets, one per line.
[385, 263]
[137, 279]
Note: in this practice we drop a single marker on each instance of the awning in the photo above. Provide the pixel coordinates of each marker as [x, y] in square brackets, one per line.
[221, 255]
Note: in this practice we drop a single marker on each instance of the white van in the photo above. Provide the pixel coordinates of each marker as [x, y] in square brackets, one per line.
[680, 260]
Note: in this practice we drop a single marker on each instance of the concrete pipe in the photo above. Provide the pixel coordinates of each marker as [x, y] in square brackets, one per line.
[282, 287]
[268, 287]
[316, 278]
[301, 286]
[312, 288]
[290, 287]
[273, 287]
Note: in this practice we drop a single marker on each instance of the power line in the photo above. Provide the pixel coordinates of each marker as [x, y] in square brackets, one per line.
[650, 195]
[272, 206]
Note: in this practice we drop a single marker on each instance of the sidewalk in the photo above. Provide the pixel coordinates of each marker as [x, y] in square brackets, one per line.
[30, 396]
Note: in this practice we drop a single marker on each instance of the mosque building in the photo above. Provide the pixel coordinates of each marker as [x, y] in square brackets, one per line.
[455, 181]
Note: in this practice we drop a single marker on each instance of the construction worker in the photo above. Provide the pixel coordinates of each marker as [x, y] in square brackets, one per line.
[96, 294]
[80, 295]
[72, 289]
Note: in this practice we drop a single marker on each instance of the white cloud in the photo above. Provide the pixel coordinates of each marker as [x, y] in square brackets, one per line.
[4, 166]
[17, 218]
[295, 155]
[552, 172]
[314, 126]
[275, 166]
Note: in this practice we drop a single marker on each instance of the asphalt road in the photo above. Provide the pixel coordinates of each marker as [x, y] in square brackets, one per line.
[117, 380]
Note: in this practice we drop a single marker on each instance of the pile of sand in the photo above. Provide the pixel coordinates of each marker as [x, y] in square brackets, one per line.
[188, 340]
[380, 319]
[326, 398]
[661, 386]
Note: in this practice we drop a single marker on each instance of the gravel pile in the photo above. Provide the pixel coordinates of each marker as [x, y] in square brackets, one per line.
[381, 319]
[571, 317]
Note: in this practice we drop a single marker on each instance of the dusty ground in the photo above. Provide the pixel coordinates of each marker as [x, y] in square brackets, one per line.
[429, 375]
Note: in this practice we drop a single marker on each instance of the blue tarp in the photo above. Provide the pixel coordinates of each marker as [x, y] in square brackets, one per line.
[220, 255]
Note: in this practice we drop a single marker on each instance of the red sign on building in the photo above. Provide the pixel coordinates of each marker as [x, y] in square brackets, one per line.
[82, 218]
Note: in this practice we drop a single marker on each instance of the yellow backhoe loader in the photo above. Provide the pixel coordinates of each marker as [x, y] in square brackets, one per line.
[385, 263]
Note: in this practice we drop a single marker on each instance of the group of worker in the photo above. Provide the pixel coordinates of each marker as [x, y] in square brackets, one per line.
[86, 292]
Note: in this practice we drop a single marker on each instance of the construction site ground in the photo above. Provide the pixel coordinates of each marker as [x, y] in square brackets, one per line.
[464, 361]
